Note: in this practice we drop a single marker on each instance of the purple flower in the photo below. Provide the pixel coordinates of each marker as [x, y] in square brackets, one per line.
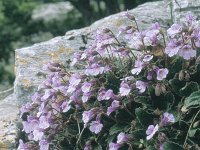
[44, 144]
[161, 147]
[86, 96]
[167, 118]
[172, 47]
[175, 29]
[43, 124]
[75, 79]
[88, 146]
[150, 75]
[30, 125]
[135, 40]
[122, 138]
[66, 106]
[106, 95]
[25, 108]
[53, 67]
[162, 73]
[114, 146]
[141, 86]
[22, 145]
[86, 87]
[147, 58]
[129, 16]
[150, 38]
[114, 106]
[139, 65]
[124, 89]
[96, 69]
[95, 126]
[87, 116]
[37, 135]
[151, 131]
[187, 52]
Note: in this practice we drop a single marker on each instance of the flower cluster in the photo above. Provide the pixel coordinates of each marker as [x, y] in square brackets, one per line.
[127, 86]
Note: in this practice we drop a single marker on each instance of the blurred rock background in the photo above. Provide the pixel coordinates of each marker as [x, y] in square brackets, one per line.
[25, 22]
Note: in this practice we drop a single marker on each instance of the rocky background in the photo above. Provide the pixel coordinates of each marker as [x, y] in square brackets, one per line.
[29, 60]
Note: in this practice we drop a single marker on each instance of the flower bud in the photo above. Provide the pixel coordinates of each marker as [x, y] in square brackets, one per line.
[184, 75]
[161, 137]
[181, 75]
[196, 124]
[198, 60]
[129, 16]
[160, 89]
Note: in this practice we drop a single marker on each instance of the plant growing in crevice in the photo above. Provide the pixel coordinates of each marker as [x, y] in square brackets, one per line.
[136, 90]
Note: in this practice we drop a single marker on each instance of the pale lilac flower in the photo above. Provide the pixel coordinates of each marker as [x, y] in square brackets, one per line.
[167, 118]
[44, 123]
[124, 89]
[141, 86]
[172, 47]
[129, 16]
[150, 75]
[96, 69]
[135, 40]
[175, 29]
[87, 116]
[106, 95]
[96, 126]
[187, 52]
[139, 65]
[114, 106]
[22, 145]
[30, 125]
[86, 87]
[161, 73]
[75, 79]
[65, 106]
[88, 146]
[37, 135]
[161, 147]
[147, 58]
[86, 97]
[151, 131]
[51, 66]
[150, 38]
[44, 144]
[114, 146]
[122, 138]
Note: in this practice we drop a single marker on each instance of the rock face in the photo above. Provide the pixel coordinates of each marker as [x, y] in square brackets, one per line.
[30, 60]
[52, 11]
[180, 7]
[8, 123]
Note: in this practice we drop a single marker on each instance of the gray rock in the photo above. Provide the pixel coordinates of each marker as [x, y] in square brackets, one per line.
[52, 11]
[30, 60]
[181, 7]
[8, 123]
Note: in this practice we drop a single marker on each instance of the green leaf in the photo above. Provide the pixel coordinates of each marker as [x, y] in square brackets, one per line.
[98, 147]
[144, 100]
[144, 118]
[171, 146]
[118, 128]
[193, 100]
[189, 88]
[150, 148]
[139, 134]
[176, 85]
[192, 132]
